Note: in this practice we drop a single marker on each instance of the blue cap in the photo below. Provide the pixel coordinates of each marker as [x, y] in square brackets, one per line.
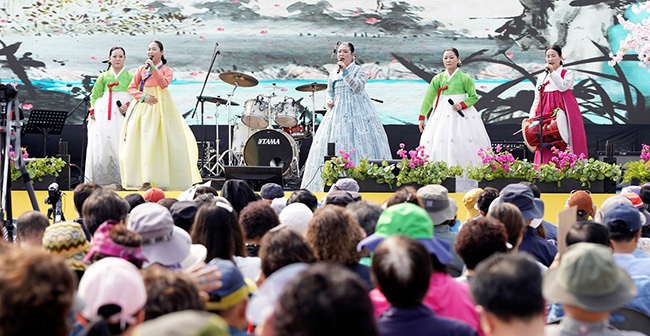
[271, 191]
[625, 213]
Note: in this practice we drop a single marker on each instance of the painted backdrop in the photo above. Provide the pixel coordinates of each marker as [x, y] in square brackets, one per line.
[55, 49]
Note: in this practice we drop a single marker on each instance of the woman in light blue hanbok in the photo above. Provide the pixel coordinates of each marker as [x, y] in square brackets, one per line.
[351, 121]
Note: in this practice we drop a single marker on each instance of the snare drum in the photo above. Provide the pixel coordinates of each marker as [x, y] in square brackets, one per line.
[255, 113]
[300, 131]
[240, 134]
[269, 147]
[287, 111]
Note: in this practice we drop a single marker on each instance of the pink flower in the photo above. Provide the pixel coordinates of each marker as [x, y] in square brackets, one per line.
[371, 20]
[201, 37]
[221, 28]
[263, 31]
[28, 106]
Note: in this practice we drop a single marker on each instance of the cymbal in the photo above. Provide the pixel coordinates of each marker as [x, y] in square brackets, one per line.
[321, 112]
[238, 78]
[312, 87]
[217, 100]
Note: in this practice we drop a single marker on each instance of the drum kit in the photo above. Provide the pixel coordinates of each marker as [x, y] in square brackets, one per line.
[253, 139]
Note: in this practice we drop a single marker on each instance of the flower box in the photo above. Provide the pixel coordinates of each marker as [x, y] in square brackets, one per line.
[371, 185]
[566, 185]
[42, 185]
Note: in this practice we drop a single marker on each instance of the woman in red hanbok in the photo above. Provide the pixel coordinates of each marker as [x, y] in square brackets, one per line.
[554, 90]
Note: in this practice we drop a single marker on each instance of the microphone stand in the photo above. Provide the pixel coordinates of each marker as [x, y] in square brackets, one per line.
[85, 101]
[200, 99]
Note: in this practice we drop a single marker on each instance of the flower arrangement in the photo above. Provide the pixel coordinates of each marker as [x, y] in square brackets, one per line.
[415, 168]
[500, 163]
[37, 168]
[568, 165]
[639, 169]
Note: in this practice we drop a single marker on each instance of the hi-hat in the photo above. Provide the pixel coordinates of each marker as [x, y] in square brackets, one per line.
[217, 100]
[238, 78]
[313, 87]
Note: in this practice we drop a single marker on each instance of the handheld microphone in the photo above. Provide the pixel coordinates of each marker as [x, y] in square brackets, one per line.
[118, 103]
[148, 66]
[451, 102]
[547, 70]
[339, 70]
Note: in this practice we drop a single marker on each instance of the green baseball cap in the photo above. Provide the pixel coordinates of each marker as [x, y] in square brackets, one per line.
[409, 220]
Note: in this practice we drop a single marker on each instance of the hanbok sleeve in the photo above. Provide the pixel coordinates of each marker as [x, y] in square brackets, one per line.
[134, 87]
[562, 84]
[470, 89]
[98, 90]
[429, 97]
[163, 76]
[356, 78]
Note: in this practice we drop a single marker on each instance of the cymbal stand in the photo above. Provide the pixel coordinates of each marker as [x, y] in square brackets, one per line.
[313, 110]
[217, 168]
[230, 125]
[270, 113]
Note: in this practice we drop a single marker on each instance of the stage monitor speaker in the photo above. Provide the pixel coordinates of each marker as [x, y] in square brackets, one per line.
[255, 176]
[518, 149]
[621, 157]
[64, 176]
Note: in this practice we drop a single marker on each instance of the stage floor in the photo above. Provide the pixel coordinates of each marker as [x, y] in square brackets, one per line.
[553, 203]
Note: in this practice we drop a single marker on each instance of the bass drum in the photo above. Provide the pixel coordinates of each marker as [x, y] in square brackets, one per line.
[271, 148]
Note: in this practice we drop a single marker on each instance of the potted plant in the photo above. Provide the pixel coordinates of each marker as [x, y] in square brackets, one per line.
[414, 168]
[499, 168]
[638, 172]
[568, 171]
[43, 171]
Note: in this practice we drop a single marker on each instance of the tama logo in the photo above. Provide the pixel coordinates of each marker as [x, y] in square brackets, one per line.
[264, 141]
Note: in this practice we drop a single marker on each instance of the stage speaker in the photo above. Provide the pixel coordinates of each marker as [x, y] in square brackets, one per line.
[621, 157]
[518, 149]
[64, 176]
[255, 176]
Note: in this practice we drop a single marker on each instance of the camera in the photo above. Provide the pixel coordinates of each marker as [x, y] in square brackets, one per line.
[7, 92]
[53, 194]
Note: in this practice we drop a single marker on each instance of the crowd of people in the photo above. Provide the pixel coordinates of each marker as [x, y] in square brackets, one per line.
[231, 261]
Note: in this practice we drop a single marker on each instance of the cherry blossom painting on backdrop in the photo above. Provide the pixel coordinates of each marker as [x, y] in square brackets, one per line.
[54, 50]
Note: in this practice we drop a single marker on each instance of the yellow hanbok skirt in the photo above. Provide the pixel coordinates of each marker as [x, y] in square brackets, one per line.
[157, 145]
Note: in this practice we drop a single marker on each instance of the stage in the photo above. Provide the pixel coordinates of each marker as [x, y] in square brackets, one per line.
[553, 203]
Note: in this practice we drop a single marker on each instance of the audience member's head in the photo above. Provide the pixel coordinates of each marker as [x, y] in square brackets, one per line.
[469, 201]
[30, 227]
[115, 240]
[270, 191]
[81, 192]
[167, 202]
[582, 200]
[342, 198]
[412, 221]
[305, 197]
[326, 299]
[507, 289]
[36, 295]
[183, 213]
[153, 195]
[114, 296]
[479, 239]
[367, 214]
[257, 218]
[345, 184]
[637, 202]
[134, 200]
[296, 216]
[283, 247]
[523, 198]
[440, 207]
[186, 322]
[588, 281]
[213, 228]
[278, 204]
[168, 292]
[485, 198]
[533, 187]
[204, 189]
[230, 300]
[405, 194]
[510, 216]
[587, 232]
[334, 233]
[624, 222]
[103, 205]
[401, 268]
[67, 239]
[238, 193]
[610, 202]
[162, 242]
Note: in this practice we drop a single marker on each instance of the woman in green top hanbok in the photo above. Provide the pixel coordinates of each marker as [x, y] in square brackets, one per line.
[454, 132]
[106, 120]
